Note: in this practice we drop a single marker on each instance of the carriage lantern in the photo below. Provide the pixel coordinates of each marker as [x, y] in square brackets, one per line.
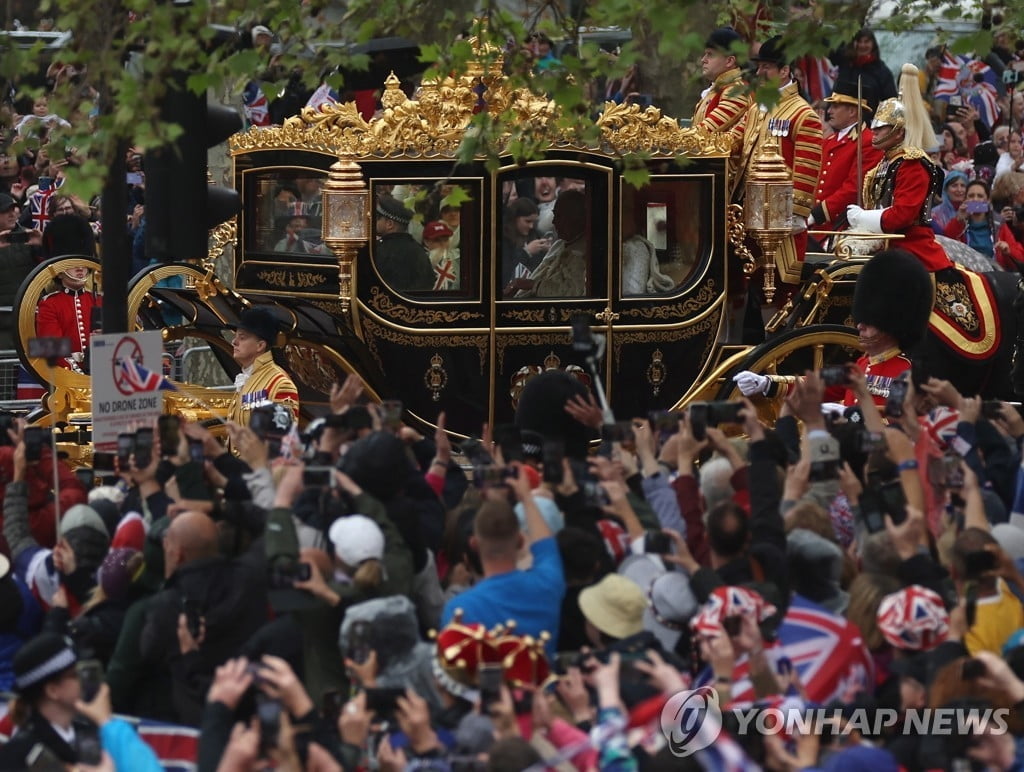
[346, 220]
[768, 206]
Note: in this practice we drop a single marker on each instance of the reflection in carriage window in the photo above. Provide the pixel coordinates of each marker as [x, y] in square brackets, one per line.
[545, 250]
[424, 236]
[661, 235]
[288, 214]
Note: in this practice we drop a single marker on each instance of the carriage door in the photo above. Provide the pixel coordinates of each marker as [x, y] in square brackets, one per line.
[552, 231]
[668, 275]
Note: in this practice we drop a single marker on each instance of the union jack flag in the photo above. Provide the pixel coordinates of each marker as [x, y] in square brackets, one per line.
[446, 276]
[39, 205]
[255, 105]
[139, 379]
[971, 79]
[826, 650]
[913, 618]
[323, 96]
[818, 77]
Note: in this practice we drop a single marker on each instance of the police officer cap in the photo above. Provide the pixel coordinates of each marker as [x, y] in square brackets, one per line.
[40, 659]
[393, 209]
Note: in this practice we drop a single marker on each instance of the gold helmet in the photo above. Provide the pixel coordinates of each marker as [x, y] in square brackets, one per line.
[891, 112]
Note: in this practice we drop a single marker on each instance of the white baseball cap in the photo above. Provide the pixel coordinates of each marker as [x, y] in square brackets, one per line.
[356, 538]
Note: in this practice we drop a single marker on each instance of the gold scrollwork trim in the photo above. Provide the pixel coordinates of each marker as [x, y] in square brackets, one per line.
[737, 234]
[435, 124]
[220, 237]
[526, 315]
[383, 305]
[310, 367]
[679, 310]
[291, 279]
[708, 324]
[330, 306]
[536, 339]
[376, 332]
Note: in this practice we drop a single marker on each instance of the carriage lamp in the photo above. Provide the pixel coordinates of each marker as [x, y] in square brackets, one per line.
[768, 208]
[346, 220]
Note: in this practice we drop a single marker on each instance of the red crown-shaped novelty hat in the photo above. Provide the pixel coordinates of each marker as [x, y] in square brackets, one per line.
[462, 649]
[522, 657]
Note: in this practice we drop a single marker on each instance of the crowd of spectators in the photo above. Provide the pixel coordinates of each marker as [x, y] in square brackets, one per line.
[359, 598]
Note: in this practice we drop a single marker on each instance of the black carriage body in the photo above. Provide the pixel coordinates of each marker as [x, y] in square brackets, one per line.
[468, 350]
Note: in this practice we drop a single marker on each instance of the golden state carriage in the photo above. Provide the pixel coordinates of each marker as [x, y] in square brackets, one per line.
[468, 346]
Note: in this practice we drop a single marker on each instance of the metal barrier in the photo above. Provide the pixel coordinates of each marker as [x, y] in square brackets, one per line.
[190, 365]
[10, 367]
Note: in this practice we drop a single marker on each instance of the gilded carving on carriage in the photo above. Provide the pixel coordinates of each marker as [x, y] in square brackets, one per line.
[656, 371]
[311, 367]
[379, 332]
[684, 308]
[708, 324]
[385, 306]
[436, 377]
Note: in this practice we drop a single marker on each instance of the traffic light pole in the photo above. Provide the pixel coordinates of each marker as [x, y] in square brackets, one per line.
[117, 258]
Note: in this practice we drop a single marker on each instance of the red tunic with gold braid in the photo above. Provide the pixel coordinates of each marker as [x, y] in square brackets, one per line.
[879, 372]
[839, 182]
[722, 105]
[903, 185]
[67, 313]
[798, 128]
[266, 384]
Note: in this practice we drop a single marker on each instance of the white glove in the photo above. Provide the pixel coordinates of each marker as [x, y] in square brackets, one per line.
[751, 383]
[810, 220]
[834, 408]
[864, 220]
[799, 224]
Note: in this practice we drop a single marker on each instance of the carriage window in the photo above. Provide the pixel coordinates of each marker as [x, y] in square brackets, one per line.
[288, 214]
[425, 236]
[547, 243]
[662, 240]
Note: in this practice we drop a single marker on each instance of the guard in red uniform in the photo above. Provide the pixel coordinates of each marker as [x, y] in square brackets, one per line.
[67, 313]
[891, 306]
[798, 128]
[965, 325]
[841, 174]
[898, 191]
[724, 102]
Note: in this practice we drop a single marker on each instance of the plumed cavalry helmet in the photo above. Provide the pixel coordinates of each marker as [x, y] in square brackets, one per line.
[908, 112]
[894, 293]
[891, 112]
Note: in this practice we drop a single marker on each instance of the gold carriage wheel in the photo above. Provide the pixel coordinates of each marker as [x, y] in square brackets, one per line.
[771, 361]
[147, 281]
[30, 296]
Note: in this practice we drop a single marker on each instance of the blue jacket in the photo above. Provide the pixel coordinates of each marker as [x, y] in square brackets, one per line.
[127, 749]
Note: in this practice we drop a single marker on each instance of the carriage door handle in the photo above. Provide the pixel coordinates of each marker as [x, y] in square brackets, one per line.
[607, 316]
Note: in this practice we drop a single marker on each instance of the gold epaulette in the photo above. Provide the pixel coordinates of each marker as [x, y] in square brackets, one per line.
[914, 152]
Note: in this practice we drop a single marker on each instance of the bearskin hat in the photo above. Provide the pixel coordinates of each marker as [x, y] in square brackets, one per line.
[541, 409]
[894, 293]
[69, 234]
